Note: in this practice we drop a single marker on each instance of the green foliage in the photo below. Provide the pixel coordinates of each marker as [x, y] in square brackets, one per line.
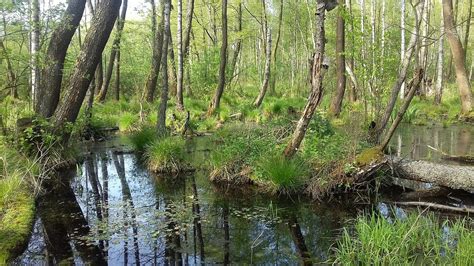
[127, 121]
[417, 239]
[142, 138]
[166, 155]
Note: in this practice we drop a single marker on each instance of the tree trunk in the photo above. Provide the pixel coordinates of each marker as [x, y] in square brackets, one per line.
[113, 53]
[238, 45]
[400, 79]
[99, 72]
[317, 75]
[161, 126]
[215, 103]
[402, 43]
[458, 57]
[12, 82]
[266, 78]
[94, 44]
[34, 49]
[468, 29]
[439, 70]
[275, 51]
[117, 76]
[336, 104]
[189, 27]
[152, 79]
[50, 87]
[179, 83]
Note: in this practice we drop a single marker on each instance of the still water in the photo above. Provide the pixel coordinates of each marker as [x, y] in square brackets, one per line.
[113, 210]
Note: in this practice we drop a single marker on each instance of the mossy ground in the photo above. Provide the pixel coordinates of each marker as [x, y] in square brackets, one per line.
[17, 205]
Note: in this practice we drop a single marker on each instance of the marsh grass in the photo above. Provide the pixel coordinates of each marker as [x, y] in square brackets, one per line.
[166, 155]
[142, 138]
[418, 239]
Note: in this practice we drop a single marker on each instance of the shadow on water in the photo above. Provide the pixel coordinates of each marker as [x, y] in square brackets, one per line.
[112, 210]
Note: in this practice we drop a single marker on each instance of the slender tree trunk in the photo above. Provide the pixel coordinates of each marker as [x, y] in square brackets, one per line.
[34, 49]
[52, 74]
[336, 104]
[10, 72]
[468, 29]
[172, 67]
[187, 39]
[439, 70]
[215, 103]
[161, 126]
[152, 79]
[423, 52]
[354, 87]
[402, 74]
[266, 79]
[99, 72]
[117, 76]
[317, 75]
[179, 85]
[458, 57]
[238, 45]
[113, 53]
[275, 51]
[402, 43]
[94, 44]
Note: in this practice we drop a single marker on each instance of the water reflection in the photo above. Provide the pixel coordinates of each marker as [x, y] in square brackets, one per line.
[413, 141]
[114, 211]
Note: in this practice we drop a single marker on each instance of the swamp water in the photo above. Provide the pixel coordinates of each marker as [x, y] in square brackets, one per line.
[112, 210]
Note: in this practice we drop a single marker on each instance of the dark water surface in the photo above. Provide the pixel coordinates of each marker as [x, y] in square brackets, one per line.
[113, 210]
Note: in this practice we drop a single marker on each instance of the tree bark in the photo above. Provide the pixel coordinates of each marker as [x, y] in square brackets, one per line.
[34, 49]
[94, 44]
[117, 76]
[336, 104]
[113, 53]
[458, 57]
[317, 75]
[215, 103]
[152, 79]
[238, 45]
[439, 70]
[275, 51]
[161, 125]
[468, 29]
[50, 87]
[189, 27]
[179, 83]
[402, 43]
[268, 59]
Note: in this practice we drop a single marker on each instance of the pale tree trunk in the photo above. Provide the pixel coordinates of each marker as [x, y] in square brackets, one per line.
[113, 53]
[336, 104]
[50, 86]
[150, 86]
[179, 41]
[439, 70]
[317, 75]
[354, 87]
[161, 126]
[402, 74]
[187, 39]
[468, 28]
[87, 60]
[266, 78]
[458, 57]
[237, 45]
[215, 103]
[402, 42]
[117, 76]
[423, 52]
[34, 49]
[275, 51]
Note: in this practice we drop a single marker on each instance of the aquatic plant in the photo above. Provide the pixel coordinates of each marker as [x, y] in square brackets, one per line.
[142, 138]
[166, 155]
[417, 239]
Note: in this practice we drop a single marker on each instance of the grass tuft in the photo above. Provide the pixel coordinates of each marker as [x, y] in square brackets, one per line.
[142, 138]
[166, 155]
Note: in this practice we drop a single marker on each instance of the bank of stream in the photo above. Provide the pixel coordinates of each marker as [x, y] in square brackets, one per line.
[111, 209]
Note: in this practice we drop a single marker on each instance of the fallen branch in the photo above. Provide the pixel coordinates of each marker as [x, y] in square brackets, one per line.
[435, 206]
[445, 156]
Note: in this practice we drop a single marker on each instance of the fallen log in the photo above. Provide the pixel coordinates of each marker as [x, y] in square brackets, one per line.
[467, 159]
[437, 206]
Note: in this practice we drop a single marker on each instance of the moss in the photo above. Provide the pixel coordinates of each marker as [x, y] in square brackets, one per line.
[16, 217]
[368, 156]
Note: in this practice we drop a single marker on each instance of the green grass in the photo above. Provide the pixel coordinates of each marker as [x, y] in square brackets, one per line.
[16, 201]
[166, 155]
[418, 239]
[281, 174]
[142, 138]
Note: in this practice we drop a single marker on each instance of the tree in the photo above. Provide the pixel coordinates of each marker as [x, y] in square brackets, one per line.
[458, 56]
[113, 53]
[268, 59]
[161, 125]
[318, 69]
[179, 85]
[34, 48]
[52, 73]
[336, 104]
[86, 63]
[150, 86]
[215, 102]
[402, 42]
[439, 66]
